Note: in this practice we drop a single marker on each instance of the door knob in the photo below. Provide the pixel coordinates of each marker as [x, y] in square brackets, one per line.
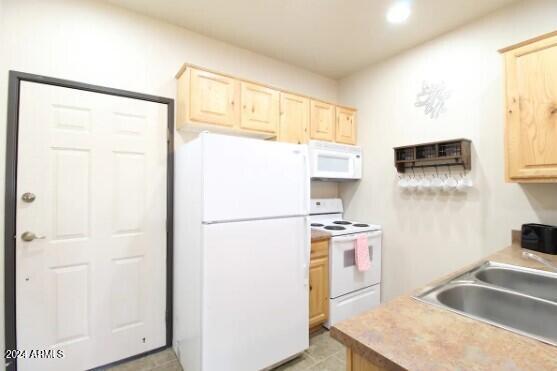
[28, 197]
[30, 236]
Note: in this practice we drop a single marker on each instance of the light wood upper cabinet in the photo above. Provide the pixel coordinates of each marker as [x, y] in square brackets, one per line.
[294, 118]
[346, 126]
[260, 108]
[531, 112]
[322, 120]
[213, 98]
[319, 283]
[214, 101]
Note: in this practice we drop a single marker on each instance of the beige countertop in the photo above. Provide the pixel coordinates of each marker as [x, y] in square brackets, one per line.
[319, 236]
[406, 334]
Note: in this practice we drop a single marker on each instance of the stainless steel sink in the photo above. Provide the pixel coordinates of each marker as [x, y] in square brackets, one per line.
[527, 281]
[518, 299]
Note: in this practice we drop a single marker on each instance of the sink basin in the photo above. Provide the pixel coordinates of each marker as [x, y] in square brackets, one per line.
[518, 299]
[526, 281]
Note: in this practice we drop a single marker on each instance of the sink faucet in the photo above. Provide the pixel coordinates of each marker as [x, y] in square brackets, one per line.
[539, 259]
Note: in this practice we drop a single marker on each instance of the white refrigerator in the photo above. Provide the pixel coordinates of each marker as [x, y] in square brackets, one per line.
[241, 253]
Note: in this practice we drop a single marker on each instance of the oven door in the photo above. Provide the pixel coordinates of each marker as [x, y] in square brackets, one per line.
[344, 275]
[335, 165]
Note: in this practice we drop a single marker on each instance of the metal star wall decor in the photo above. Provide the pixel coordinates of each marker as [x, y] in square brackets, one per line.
[433, 97]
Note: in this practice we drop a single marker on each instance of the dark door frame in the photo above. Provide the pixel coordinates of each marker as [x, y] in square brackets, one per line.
[15, 79]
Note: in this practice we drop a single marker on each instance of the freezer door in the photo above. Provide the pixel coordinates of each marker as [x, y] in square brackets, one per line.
[255, 293]
[250, 179]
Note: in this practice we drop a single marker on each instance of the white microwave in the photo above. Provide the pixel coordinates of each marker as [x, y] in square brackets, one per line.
[336, 162]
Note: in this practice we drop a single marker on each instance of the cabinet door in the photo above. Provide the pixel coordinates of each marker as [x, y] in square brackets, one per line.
[346, 126]
[322, 121]
[318, 291]
[531, 131]
[294, 118]
[213, 98]
[260, 108]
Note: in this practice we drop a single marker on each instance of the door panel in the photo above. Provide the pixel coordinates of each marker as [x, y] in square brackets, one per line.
[71, 303]
[129, 192]
[294, 118]
[262, 190]
[260, 108]
[70, 176]
[94, 286]
[212, 98]
[322, 121]
[346, 126]
[258, 283]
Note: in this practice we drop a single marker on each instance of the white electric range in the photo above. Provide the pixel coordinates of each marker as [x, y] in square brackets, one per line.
[351, 292]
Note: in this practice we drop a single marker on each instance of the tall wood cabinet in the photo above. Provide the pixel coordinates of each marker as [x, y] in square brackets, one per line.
[208, 100]
[319, 283]
[531, 110]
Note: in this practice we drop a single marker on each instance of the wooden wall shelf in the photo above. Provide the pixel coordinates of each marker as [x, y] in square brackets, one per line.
[455, 152]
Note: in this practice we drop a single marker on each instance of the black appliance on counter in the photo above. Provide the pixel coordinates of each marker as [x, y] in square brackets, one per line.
[539, 237]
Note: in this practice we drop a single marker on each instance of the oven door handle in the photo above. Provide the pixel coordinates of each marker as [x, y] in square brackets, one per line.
[354, 238]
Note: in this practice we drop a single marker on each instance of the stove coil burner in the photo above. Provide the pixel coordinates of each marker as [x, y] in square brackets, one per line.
[335, 228]
[342, 222]
[361, 225]
[316, 225]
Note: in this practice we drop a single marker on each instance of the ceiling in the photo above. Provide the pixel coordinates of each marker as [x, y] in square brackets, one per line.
[330, 37]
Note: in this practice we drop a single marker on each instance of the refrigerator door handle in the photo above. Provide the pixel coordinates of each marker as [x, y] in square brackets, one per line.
[306, 188]
[307, 251]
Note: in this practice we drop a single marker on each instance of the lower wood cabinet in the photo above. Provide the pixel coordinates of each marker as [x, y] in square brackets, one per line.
[319, 283]
[355, 362]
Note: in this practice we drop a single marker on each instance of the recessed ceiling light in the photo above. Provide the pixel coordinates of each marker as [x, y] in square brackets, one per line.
[399, 12]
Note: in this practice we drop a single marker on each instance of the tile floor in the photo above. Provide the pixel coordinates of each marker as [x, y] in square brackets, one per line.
[324, 354]
[164, 360]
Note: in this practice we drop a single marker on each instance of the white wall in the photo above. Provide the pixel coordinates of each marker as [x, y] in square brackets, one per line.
[96, 43]
[426, 236]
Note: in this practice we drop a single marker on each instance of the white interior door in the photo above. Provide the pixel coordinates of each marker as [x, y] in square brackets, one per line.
[93, 283]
